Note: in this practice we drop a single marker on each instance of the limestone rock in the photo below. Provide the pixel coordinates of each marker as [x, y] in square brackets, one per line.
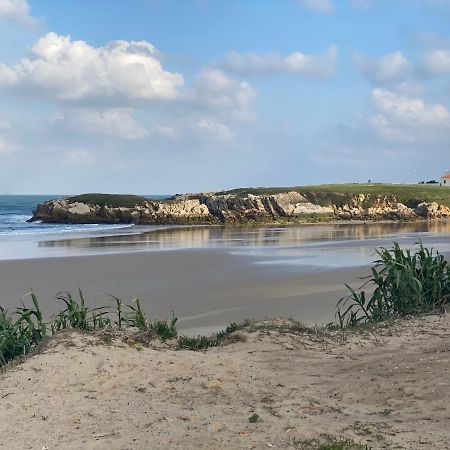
[216, 208]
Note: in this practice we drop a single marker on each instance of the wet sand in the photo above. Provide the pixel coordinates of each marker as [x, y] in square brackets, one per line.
[207, 289]
[209, 276]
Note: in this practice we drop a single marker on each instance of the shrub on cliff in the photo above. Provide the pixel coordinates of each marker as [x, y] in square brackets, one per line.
[112, 200]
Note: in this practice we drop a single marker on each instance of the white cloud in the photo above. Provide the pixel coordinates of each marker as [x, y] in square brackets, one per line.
[213, 89]
[114, 122]
[79, 157]
[210, 128]
[410, 110]
[18, 10]
[388, 68]
[119, 73]
[316, 66]
[404, 119]
[437, 62]
[101, 87]
[320, 6]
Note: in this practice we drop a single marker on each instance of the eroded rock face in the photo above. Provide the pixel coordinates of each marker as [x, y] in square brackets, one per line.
[216, 208]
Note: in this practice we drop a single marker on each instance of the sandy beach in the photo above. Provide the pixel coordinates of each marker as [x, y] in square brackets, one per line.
[383, 387]
[387, 388]
[206, 289]
[208, 276]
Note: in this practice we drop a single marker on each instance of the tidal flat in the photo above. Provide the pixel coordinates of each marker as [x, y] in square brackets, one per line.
[209, 276]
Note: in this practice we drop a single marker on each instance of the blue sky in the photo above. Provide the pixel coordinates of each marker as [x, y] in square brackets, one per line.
[164, 96]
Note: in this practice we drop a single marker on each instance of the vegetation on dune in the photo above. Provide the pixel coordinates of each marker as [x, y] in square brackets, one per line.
[403, 282]
[111, 200]
[204, 342]
[24, 329]
[20, 332]
[332, 193]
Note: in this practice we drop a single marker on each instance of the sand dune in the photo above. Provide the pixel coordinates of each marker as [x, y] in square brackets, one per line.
[388, 388]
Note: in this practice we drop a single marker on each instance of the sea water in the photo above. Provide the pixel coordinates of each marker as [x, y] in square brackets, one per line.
[15, 210]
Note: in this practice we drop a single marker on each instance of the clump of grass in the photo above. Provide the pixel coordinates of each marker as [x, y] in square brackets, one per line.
[20, 331]
[204, 342]
[405, 282]
[23, 329]
[193, 343]
[75, 315]
[254, 418]
[165, 329]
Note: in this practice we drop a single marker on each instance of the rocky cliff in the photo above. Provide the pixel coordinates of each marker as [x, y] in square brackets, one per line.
[216, 208]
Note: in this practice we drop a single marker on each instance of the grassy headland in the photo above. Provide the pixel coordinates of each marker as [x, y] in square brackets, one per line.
[327, 192]
[112, 200]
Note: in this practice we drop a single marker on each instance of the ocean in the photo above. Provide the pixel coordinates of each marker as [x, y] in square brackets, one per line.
[15, 210]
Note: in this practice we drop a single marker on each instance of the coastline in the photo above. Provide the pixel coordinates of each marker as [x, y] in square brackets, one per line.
[268, 206]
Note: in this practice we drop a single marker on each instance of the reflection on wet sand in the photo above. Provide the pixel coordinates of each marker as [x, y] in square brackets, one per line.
[216, 236]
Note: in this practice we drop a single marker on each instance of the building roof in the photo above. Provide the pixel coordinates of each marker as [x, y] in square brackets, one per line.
[446, 176]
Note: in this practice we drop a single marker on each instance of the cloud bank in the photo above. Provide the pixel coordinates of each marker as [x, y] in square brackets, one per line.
[120, 73]
[18, 10]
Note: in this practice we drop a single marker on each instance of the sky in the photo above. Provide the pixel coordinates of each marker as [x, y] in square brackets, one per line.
[175, 96]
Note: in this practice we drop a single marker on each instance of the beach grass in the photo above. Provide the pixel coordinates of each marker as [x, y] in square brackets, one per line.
[402, 283]
[24, 329]
[204, 342]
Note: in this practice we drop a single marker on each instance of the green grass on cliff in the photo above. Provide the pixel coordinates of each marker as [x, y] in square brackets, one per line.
[331, 193]
[112, 200]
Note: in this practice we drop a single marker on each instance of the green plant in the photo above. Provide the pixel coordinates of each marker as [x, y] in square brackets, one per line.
[193, 343]
[23, 329]
[20, 331]
[166, 330]
[405, 283]
[254, 418]
[203, 342]
[75, 315]
[121, 317]
[137, 317]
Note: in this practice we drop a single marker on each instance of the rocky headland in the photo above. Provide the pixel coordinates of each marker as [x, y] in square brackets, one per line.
[239, 208]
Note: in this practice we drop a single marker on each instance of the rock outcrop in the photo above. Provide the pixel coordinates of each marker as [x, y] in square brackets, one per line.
[216, 208]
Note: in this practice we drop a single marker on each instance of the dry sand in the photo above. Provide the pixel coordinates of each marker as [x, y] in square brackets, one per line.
[388, 388]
